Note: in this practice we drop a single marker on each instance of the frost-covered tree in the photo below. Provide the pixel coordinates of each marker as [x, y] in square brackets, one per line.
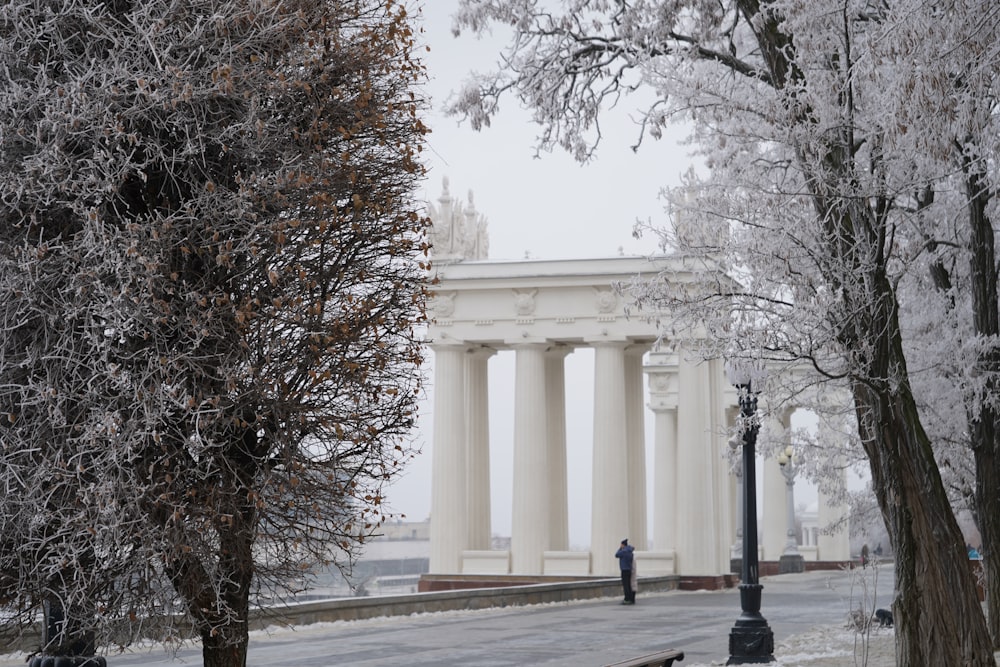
[841, 140]
[946, 116]
[211, 268]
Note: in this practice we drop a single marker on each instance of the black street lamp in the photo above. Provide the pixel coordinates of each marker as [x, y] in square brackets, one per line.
[751, 640]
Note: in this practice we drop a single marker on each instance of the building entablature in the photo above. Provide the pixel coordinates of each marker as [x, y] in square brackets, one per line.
[572, 302]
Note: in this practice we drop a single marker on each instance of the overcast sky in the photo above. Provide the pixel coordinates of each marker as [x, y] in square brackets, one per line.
[546, 208]
[551, 207]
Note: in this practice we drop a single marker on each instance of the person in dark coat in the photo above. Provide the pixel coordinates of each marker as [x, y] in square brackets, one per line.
[626, 561]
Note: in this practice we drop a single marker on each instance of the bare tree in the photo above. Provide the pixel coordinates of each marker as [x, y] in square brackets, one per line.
[797, 111]
[211, 262]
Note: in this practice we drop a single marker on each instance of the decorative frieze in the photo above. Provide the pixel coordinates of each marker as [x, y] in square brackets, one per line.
[606, 300]
[524, 301]
[441, 305]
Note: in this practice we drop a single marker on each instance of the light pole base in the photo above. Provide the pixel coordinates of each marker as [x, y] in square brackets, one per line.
[751, 644]
[790, 563]
[751, 640]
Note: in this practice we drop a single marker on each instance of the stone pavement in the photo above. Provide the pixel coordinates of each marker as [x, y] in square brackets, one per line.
[807, 613]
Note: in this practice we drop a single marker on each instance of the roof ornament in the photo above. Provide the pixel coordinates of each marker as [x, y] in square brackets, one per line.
[458, 232]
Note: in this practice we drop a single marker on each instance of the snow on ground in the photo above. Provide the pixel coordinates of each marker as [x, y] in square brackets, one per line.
[822, 647]
[832, 647]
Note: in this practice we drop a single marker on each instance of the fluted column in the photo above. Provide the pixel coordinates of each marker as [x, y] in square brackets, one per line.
[775, 499]
[638, 529]
[530, 516]
[697, 455]
[609, 514]
[449, 501]
[832, 507]
[555, 385]
[734, 465]
[833, 512]
[736, 483]
[478, 439]
[836, 546]
[662, 373]
[719, 390]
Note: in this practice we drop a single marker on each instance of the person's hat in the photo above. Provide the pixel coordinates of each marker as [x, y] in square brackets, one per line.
[625, 541]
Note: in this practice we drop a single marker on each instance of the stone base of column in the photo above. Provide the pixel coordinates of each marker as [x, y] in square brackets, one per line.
[790, 563]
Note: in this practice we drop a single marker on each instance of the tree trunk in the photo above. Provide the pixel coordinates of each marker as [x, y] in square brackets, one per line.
[224, 639]
[938, 617]
[226, 648]
[220, 604]
[988, 506]
[984, 431]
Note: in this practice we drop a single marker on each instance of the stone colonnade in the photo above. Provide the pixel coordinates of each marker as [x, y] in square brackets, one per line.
[460, 526]
[691, 491]
[542, 311]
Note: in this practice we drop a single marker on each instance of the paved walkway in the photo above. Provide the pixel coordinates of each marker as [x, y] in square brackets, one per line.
[807, 613]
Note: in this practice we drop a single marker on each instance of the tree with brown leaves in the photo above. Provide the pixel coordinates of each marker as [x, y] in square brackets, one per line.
[212, 271]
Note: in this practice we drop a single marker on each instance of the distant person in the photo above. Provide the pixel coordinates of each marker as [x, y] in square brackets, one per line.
[864, 556]
[626, 561]
[973, 552]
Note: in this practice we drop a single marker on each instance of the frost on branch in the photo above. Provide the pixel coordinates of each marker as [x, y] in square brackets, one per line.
[212, 266]
[851, 151]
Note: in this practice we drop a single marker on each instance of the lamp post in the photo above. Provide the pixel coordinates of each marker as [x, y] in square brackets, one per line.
[791, 560]
[751, 640]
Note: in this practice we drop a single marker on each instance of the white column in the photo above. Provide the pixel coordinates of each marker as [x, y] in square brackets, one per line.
[791, 545]
[478, 439]
[638, 529]
[665, 505]
[835, 547]
[697, 550]
[774, 525]
[735, 483]
[719, 391]
[555, 384]
[609, 514]
[832, 507]
[449, 502]
[736, 551]
[530, 515]
[662, 372]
